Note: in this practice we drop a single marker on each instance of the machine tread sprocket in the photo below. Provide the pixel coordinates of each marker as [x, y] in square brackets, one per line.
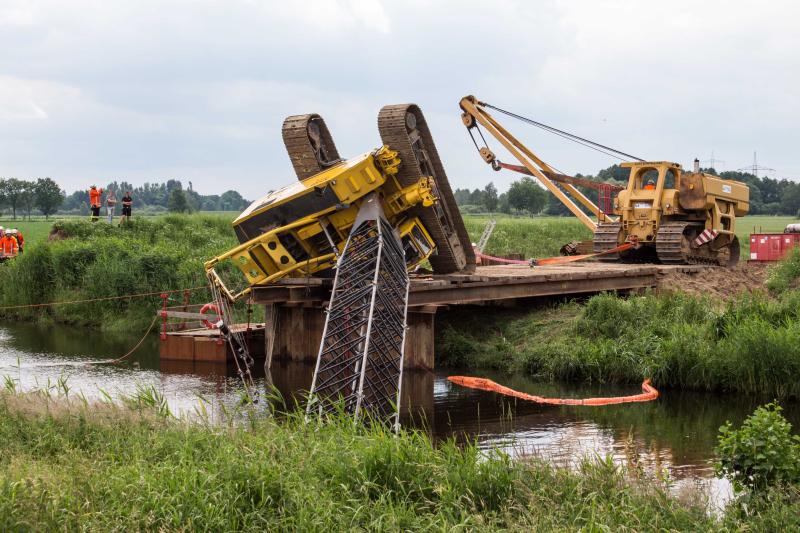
[606, 237]
[309, 144]
[671, 244]
[410, 136]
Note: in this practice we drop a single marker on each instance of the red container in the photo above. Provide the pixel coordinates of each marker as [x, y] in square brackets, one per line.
[772, 246]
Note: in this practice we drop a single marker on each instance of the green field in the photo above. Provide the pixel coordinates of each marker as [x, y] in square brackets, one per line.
[37, 229]
[538, 237]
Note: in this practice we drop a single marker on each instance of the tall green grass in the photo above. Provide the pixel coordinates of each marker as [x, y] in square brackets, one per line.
[785, 274]
[533, 237]
[100, 260]
[76, 466]
[751, 344]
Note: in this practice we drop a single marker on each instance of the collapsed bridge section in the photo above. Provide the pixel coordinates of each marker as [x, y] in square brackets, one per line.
[360, 361]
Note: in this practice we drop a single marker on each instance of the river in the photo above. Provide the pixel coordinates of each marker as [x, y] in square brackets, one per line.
[675, 434]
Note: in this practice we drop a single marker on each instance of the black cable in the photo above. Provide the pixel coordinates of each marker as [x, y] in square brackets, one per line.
[607, 150]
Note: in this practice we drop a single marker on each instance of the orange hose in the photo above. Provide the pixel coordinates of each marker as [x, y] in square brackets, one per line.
[649, 393]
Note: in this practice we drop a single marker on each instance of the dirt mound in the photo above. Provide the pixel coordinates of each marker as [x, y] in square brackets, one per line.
[57, 235]
[718, 282]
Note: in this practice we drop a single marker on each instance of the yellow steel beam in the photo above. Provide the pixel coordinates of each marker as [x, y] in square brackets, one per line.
[535, 165]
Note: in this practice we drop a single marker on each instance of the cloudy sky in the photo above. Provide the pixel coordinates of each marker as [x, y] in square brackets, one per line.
[92, 91]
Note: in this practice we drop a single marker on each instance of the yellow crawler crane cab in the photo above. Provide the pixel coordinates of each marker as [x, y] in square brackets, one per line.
[301, 229]
[680, 217]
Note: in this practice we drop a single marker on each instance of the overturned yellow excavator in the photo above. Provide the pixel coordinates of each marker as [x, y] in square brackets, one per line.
[300, 229]
[367, 221]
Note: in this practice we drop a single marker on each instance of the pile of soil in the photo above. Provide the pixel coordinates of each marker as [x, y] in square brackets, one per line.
[717, 282]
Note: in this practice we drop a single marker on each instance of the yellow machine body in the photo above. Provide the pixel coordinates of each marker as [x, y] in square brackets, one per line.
[677, 195]
[301, 229]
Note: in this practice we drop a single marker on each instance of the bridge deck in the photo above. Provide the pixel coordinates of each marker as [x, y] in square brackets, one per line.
[489, 284]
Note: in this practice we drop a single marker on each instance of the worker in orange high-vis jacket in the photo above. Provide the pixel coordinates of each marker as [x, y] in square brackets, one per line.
[8, 245]
[94, 202]
[20, 239]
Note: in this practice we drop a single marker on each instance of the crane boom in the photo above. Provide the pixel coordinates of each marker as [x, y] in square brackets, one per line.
[475, 113]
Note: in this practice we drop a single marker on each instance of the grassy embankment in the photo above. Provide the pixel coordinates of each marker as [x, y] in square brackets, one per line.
[99, 260]
[750, 344]
[67, 465]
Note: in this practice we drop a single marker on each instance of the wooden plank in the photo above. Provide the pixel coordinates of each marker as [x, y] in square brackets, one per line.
[487, 292]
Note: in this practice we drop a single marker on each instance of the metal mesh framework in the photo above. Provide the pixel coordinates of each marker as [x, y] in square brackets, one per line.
[360, 362]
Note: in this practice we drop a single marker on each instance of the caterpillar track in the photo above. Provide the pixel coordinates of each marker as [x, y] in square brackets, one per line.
[309, 143]
[403, 128]
[606, 237]
[674, 246]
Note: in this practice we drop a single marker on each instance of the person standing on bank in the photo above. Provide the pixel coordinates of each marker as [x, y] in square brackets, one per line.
[94, 202]
[127, 203]
[111, 205]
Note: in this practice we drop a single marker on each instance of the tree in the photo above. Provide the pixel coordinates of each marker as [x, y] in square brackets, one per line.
[49, 196]
[177, 201]
[27, 197]
[11, 193]
[490, 197]
[525, 195]
[232, 201]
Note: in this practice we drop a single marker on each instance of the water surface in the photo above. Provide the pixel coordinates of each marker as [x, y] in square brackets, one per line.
[675, 434]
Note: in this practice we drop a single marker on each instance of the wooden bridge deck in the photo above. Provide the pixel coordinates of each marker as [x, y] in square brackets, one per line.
[489, 284]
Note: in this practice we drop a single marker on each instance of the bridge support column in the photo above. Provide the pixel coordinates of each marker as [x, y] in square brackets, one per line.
[298, 332]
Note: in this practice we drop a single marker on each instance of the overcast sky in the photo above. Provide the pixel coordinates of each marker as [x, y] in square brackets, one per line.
[92, 91]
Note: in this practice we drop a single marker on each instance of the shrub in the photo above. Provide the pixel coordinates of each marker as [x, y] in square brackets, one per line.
[785, 273]
[761, 453]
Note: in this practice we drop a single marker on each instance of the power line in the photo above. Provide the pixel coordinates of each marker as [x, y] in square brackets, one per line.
[755, 167]
[713, 161]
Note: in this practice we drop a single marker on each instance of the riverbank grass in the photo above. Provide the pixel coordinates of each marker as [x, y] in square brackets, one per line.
[91, 261]
[750, 344]
[70, 465]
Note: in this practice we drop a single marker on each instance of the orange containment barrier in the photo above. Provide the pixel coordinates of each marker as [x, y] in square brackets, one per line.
[649, 393]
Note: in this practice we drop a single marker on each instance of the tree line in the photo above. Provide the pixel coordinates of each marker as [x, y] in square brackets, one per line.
[768, 196]
[23, 196]
[157, 197]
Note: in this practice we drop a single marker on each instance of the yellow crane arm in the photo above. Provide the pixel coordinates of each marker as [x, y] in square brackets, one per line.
[475, 113]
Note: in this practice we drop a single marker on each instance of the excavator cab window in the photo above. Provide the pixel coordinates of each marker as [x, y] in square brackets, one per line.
[669, 179]
[411, 253]
[422, 243]
[647, 179]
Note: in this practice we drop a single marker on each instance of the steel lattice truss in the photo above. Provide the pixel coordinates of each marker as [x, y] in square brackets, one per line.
[360, 362]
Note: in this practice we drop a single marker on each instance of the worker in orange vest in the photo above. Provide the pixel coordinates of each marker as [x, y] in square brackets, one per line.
[94, 202]
[20, 239]
[650, 185]
[8, 245]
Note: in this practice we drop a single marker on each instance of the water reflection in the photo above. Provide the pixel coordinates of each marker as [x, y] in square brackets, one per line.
[676, 434]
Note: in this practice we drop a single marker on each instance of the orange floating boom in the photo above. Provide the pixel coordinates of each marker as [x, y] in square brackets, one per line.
[649, 393]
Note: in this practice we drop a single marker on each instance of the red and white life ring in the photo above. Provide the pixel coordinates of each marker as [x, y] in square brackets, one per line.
[210, 307]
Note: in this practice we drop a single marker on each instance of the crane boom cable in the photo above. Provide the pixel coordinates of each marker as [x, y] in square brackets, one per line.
[607, 150]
